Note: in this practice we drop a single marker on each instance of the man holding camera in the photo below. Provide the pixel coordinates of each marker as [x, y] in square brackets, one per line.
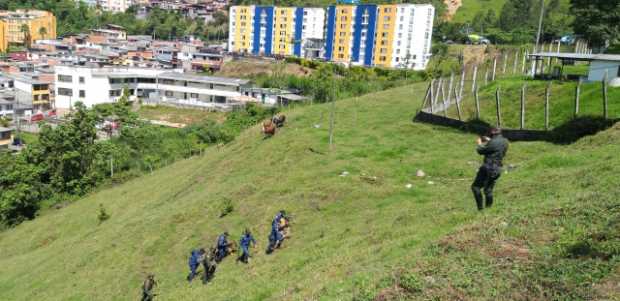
[493, 148]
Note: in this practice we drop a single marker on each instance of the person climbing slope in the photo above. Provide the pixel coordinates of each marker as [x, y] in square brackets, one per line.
[194, 261]
[276, 236]
[245, 242]
[494, 150]
[148, 286]
[209, 265]
[222, 247]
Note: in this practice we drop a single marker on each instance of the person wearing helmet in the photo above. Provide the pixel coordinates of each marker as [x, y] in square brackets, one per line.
[222, 247]
[494, 149]
[246, 240]
[194, 261]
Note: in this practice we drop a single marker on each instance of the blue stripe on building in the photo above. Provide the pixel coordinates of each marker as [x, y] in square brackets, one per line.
[299, 20]
[370, 35]
[329, 39]
[268, 10]
[256, 36]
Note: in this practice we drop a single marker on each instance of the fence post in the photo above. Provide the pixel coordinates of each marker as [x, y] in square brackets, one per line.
[439, 85]
[432, 95]
[111, 167]
[605, 94]
[498, 108]
[547, 91]
[486, 75]
[524, 63]
[523, 90]
[450, 85]
[443, 101]
[428, 93]
[494, 69]
[516, 61]
[474, 78]
[505, 62]
[577, 93]
[457, 99]
[477, 103]
[462, 83]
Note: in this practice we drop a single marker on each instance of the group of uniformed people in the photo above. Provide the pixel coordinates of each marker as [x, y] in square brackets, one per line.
[493, 147]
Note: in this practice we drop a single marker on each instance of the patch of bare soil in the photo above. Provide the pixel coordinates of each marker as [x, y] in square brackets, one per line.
[452, 7]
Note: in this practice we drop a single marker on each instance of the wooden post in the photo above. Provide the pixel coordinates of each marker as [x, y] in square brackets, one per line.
[494, 69]
[332, 116]
[515, 62]
[505, 62]
[474, 79]
[443, 101]
[450, 85]
[547, 91]
[462, 84]
[523, 106]
[457, 99]
[486, 76]
[523, 71]
[426, 96]
[605, 94]
[439, 85]
[498, 108]
[432, 96]
[477, 103]
[111, 167]
[577, 92]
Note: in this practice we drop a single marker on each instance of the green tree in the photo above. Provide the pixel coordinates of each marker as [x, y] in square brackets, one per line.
[20, 189]
[42, 32]
[516, 14]
[598, 21]
[25, 30]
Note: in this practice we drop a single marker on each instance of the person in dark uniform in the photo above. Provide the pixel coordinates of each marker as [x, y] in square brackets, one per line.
[493, 148]
[147, 288]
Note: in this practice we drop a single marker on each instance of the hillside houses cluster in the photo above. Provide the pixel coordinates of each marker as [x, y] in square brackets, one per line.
[52, 75]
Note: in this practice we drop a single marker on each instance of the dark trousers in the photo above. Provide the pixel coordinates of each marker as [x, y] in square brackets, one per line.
[147, 296]
[485, 181]
[245, 254]
[192, 272]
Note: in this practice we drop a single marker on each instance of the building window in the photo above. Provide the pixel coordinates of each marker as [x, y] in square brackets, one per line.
[81, 79]
[168, 93]
[82, 94]
[65, 92]
[193, 95]
[65, 78]
[114, 93]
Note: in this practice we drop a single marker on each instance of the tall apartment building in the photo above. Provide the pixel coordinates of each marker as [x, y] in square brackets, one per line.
[117, 6]
[270, 30]
[391, 35]
[41, 26]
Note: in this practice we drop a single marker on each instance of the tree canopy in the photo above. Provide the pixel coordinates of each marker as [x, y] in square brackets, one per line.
[598, 21]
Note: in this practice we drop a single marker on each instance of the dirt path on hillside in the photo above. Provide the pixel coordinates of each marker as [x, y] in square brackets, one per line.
[451, 7]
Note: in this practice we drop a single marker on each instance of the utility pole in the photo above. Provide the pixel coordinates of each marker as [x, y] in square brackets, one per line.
[540, 21]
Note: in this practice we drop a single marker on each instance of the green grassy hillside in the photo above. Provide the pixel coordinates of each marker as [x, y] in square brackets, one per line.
[350, 234]
[470, 8]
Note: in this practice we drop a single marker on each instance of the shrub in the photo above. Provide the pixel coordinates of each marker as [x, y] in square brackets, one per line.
[103, 215]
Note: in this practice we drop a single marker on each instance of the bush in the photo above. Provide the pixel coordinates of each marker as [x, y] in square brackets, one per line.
[103, 215]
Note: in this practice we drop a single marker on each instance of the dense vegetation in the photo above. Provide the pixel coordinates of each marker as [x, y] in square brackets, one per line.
[515, 23]
[68, 161]
[77, 17]
[329, 80]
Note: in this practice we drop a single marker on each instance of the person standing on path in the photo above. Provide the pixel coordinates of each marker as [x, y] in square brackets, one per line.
[494, 149]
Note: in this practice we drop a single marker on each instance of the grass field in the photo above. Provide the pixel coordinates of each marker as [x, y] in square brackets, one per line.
[470, 8]
[179, 115]
[353, 237]
[561, 102]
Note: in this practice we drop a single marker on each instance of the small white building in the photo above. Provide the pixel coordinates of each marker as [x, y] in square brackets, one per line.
[600, 64]
[92, 86]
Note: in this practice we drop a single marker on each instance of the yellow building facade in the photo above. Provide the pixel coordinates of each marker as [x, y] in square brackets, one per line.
[41, 26]
[284, 30]
[386, 22]
[343, 33]
[243, 30]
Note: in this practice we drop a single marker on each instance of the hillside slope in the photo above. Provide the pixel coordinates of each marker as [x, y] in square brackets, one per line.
[349, 232]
